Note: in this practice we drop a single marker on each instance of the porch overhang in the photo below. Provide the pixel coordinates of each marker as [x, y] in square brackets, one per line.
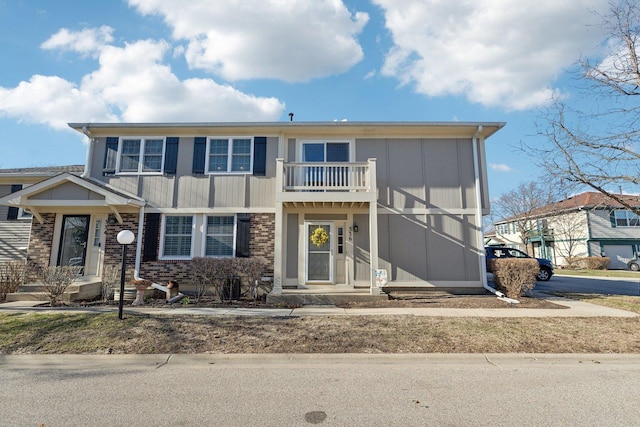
[67, 191]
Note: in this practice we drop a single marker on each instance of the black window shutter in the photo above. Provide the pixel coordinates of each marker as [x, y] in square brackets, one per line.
[110, 156]
[171, 155]
[259, 156]
[242, 237]
[199, 153]
[12, 212]
[150, 250]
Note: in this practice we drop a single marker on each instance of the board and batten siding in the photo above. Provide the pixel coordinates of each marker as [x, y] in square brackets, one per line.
[422, 173]
[189, 190]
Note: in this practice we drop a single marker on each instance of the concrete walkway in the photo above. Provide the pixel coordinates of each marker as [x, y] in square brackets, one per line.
[574, 309]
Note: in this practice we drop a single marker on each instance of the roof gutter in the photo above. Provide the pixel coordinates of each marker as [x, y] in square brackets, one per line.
[482, 255]
[87, 164]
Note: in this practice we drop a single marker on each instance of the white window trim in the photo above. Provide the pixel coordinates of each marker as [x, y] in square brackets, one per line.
[229, 155]
[162, 239]
[24, 215]
[300, 143]
[203, 248]
[141, 154]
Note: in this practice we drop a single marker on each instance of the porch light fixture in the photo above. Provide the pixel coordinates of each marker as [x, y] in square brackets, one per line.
[355, 227]
[125, 238]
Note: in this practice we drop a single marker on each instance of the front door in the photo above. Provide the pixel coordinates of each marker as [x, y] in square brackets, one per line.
[73, 240]
[319, 262]
[95, 246]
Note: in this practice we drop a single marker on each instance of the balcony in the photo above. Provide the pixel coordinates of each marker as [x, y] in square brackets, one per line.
[327, 182]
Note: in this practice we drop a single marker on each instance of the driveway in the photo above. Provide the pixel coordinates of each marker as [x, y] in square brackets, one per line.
[591, 285]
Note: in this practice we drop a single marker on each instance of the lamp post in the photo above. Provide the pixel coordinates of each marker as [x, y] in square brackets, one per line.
[125, 238]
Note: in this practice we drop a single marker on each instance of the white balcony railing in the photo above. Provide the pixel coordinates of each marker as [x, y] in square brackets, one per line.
[330, 176]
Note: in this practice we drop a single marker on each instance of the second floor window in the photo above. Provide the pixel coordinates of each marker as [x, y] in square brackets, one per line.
[229, 155]
[626, 219]
[141, 155]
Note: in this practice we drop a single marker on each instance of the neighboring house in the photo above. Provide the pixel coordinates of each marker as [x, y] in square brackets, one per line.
[15, 222]
[406, 198]
[587, 224]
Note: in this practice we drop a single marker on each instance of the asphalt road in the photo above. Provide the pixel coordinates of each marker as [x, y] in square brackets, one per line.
[591, 285]
[331, 390]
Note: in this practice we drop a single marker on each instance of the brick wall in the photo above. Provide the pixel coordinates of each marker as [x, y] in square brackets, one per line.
[262, 233]
[40, 243]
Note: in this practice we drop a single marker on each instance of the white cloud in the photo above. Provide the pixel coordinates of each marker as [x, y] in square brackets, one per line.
[290, 40]
[131, 84]
[501, 167]
[495, 52]
[87, 41]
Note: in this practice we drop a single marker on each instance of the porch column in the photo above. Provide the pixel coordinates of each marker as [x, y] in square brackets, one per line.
[373, 227]
[279, 226]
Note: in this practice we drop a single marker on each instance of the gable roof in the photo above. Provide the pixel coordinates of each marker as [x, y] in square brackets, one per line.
[586, 200]
[105, 196]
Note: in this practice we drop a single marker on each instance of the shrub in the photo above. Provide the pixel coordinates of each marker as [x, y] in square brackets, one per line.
[12, 275]
[211, 273]
[56, 280]
[251, 271]
[589, 263]
[110, 278]
[514, 276]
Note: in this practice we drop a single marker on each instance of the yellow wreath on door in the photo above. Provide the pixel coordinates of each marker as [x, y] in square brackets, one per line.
[319, 236]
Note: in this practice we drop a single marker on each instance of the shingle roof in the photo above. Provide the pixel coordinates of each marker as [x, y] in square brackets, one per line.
[586, 200]
[45, 170]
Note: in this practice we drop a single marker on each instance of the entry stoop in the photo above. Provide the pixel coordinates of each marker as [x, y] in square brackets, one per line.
[324, 296]
[82, 289]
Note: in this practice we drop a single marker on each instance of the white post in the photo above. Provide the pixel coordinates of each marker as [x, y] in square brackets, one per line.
[373, 227]
[279, 225]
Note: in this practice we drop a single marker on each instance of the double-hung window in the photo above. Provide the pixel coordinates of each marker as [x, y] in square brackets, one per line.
[177, 237]
[139, 155]
[220, 236]
[625, 218]
[229, 154]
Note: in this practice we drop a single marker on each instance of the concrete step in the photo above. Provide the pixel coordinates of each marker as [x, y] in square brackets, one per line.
[81, 290]
[27, 296]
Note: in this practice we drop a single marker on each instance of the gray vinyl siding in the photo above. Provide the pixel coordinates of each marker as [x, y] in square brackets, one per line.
[184, 190]
[4, 210]
[601, 227]
[422, 173]
[292, 246]
[14, 239]
[67, 191]
[361, 248]
[427, 247]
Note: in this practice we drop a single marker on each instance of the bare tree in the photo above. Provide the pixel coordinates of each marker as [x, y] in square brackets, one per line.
[569, 233]
[523, 205]
[599, 148]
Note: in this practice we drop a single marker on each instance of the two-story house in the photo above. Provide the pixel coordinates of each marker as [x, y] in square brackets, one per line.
[403, 198]
[587, 224]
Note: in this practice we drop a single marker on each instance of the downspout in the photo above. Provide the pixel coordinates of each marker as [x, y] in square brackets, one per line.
[87, 163]
[483, 261]
[136, 271]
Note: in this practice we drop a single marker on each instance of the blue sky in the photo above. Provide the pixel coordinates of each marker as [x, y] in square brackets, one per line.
[257, 60]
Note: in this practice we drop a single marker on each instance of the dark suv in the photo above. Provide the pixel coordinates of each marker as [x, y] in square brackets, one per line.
[546, 268]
